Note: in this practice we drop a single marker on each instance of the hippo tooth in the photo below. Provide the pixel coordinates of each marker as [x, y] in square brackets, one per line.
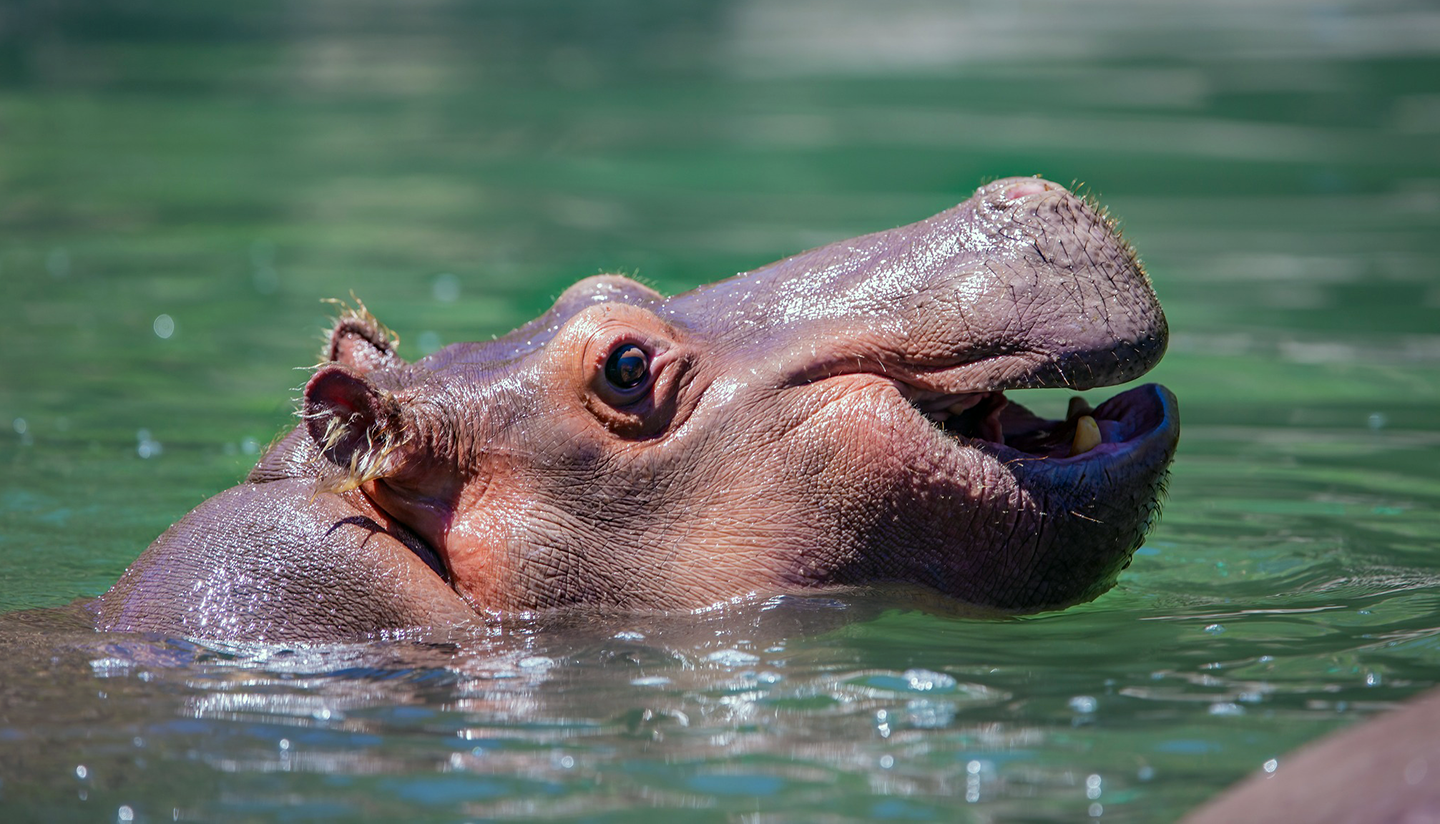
[1087, 436]
[1078, 407]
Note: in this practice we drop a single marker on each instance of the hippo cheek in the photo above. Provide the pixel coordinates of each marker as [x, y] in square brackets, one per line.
[474, 552]
[522, 544]
[483, 541]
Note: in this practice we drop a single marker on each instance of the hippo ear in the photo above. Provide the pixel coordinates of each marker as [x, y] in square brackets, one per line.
[356, 425]
[359, 341]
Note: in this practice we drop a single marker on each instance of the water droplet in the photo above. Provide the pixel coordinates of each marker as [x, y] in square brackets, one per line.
[1215, 629]
[1097, 810]
[250, 446]
[972, 782]
[1084, 704]
[20, 426]
[164, 326]
[446, 287]
[1415, 770]
[732, 658]
[81, 772]
[1271, 765]
[887, 761]
[146, 446]
[929, 715]
[1376, 420]
[922, 680]
[125, 813]
[266, 280]
[57, 262]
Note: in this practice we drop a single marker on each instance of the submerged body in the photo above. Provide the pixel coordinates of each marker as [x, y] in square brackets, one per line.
[836, 418]
[1384, 771]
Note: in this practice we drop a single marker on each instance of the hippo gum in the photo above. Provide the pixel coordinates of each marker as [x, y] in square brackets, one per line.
[834, 419]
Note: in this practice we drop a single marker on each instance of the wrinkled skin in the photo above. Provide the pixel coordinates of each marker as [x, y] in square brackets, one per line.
[835, 418]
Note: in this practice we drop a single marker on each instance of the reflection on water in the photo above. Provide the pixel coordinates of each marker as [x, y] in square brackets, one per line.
[183, 185]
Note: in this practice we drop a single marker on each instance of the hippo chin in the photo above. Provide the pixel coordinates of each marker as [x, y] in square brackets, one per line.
[836, 418]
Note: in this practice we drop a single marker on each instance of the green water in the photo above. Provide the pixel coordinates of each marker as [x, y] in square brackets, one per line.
[181, 183]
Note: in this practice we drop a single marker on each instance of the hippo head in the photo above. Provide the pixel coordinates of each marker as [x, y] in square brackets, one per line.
[836, 418]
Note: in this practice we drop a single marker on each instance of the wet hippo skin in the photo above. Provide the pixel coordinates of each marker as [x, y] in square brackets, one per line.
[834, 419]
[1383, 771]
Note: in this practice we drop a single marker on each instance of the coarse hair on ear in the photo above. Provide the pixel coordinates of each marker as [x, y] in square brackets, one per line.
[355, 425]
[358, 340]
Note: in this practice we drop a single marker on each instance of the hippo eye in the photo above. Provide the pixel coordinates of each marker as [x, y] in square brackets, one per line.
[627, 367]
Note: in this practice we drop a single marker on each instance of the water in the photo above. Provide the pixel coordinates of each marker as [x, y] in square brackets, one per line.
[183, 183]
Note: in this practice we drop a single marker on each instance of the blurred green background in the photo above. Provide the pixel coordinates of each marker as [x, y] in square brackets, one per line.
[455, 165]
[182, 183]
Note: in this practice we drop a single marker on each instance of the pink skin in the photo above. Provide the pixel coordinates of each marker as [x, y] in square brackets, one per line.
[837, 418]
[1026, 188]
[1381, 770]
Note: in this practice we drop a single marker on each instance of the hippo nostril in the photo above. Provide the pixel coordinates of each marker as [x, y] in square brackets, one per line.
[1027, 187]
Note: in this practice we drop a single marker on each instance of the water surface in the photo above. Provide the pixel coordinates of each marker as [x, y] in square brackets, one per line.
[184, 182]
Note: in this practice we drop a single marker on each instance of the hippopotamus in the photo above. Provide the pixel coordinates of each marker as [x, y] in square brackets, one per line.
[1383, 771]
[835, 419]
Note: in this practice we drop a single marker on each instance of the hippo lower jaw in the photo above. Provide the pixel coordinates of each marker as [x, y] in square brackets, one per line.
[1073, 498]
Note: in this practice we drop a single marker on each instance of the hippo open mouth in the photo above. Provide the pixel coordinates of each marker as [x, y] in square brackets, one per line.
[991, 421]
